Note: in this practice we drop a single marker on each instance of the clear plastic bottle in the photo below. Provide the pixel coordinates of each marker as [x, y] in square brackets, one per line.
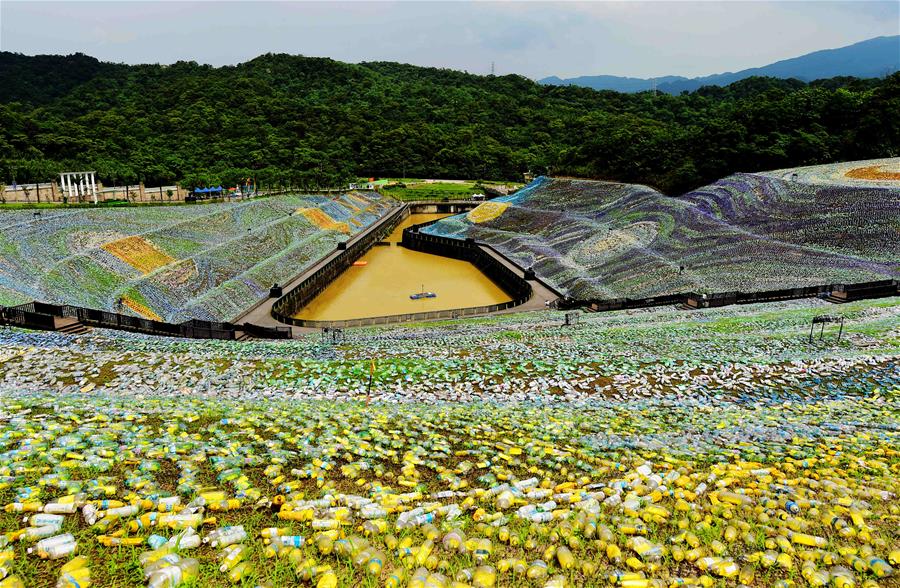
[537, 570]
[184, 571]
[418, 578]
[229, 536]
[55, 547]
[436, 580]
[61, 508]
[290, 540]
[841, 577]
[565, 558]
[395, 578]
[237, 573]
[148, 557]
[557, 581]
[187, 539]
[165, 561]
[454, 540]
[424, 551]
[484, 577]
[32, 533]
[77, 578]
[232, 555]
[879, 567]
[375, 563]
[483, 549]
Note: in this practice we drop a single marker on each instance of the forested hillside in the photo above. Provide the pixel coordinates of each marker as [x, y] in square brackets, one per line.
[317, 122]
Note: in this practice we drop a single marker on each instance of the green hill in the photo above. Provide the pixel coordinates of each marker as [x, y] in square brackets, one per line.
[315, 121]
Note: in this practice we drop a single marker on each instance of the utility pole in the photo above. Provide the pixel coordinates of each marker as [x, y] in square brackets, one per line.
[492, 68]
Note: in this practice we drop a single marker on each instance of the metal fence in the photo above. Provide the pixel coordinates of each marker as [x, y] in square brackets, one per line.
[859, 290]
[42, 315]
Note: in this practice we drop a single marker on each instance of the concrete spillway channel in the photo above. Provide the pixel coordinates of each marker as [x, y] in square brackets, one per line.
[335, 292]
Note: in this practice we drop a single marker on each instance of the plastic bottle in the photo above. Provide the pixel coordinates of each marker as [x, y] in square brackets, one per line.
[556, 582]
[879, 567]
[436, 580]
[271, 532]
[228, 536]
[148, 557]
[43, 519]
[484, 577]
[32, 533]
[483, 549]
[290, 540]
[327, 579]
[424, 551]
[808, 540]
[55, 547]
[61, 507]
[565, 558]
[184, 571]
[186, 539]
[647, 550]
[232, 555]
[841, 577]
[395, 578]
[237, 573]
[537, 570]
[23, 507]
[418, 578]
[375, 563]
[77, 578]
[163, 562]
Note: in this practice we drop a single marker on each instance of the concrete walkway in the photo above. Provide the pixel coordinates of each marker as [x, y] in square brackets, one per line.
[541, 294]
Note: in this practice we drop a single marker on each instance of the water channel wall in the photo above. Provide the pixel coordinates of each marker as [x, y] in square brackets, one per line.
[509, 281]
[302, 294]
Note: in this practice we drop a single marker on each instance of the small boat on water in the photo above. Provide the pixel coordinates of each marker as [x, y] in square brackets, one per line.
[422, 294]
[360, 263]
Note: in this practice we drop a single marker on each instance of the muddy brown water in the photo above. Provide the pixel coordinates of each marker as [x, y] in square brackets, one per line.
[392, 273]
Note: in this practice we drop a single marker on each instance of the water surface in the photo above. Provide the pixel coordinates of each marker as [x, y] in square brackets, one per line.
[382, 287]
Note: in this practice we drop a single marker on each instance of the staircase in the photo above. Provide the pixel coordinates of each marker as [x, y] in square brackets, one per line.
[835, 299]
[70, 326]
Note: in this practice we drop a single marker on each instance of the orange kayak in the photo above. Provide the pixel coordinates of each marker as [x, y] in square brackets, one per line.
[360, 263]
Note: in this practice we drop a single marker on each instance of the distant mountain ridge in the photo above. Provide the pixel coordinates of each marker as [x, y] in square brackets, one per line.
[873, 58]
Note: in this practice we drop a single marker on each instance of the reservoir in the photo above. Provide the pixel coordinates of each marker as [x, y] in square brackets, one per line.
[383, 285]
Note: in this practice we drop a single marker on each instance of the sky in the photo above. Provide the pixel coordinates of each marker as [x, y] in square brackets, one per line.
[534, 39]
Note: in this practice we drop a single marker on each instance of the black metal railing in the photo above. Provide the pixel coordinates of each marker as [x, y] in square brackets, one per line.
[43, 315]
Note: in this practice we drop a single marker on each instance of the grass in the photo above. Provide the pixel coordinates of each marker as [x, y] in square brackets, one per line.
[437, 190]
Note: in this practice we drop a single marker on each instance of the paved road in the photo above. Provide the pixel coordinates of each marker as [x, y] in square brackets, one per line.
[541, 294]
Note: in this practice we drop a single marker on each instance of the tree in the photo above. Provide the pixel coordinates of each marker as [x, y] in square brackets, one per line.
[314, 122]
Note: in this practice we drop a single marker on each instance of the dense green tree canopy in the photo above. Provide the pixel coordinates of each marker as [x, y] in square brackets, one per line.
[317, 122]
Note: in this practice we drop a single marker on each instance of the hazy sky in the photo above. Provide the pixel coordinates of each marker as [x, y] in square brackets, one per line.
[534, 39]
